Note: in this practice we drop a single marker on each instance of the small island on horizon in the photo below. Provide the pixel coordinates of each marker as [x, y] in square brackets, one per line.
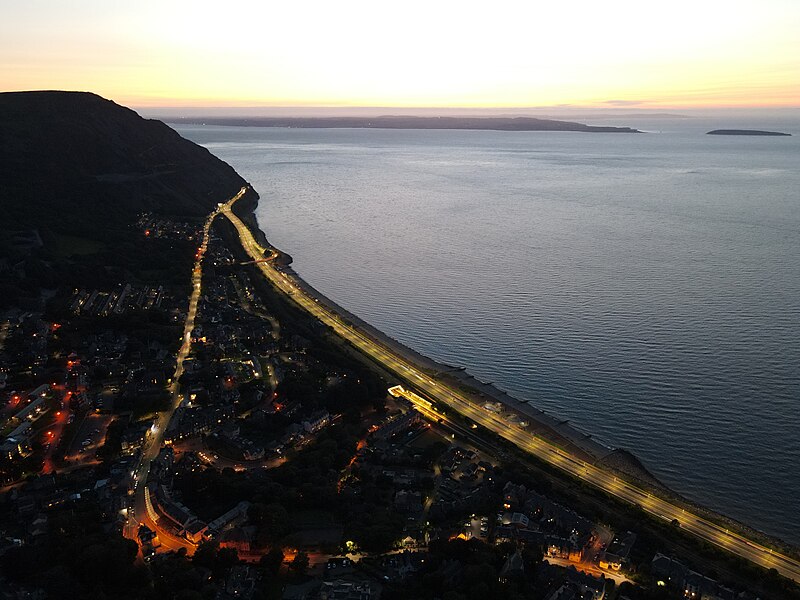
[406, 122]
[747, 132]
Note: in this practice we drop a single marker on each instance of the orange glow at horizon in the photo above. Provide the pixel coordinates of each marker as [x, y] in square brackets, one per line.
[512, 53]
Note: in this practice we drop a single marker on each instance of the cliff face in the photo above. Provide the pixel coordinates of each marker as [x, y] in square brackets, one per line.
[77, 163]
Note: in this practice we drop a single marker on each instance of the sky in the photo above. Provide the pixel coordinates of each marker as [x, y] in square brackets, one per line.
[408, 53]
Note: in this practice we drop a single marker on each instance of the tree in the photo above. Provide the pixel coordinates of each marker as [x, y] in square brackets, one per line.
[272, 521]
[218, 560]
[273, 560]
[206, 555]
[227, 558]
[299, 565]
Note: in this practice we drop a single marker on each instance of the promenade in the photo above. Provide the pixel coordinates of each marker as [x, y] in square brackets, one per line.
[419, 382]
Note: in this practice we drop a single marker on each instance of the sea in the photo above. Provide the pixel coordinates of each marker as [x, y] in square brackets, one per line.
[646, 287]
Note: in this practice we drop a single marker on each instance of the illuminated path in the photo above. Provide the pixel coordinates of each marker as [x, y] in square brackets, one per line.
[409, 372]
[143, 512]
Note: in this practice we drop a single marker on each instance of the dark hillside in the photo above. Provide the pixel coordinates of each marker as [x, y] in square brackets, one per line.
[75, 163]
[76, 173]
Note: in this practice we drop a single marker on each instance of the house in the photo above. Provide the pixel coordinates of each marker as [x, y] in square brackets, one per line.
[231, 430]
[32, 410]
[148, 538]
[251, 451]
[39, 392]
[346, 590]
[176, 512]
[17, 442]
[514, 567]
[616, 555]
[163, 463]
[133, 438]
[316, 422]
[557, 547]
[513, 495]
[218, 524]
[555, 518]
[518, 520]
[674, 575]
[241, 582]
[338, 566]
[589, 587]
[396, 567]
[38, 527]
[398, 424]
[195, 531]
[405, 501]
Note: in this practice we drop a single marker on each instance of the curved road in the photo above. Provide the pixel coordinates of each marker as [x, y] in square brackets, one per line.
[409, 372]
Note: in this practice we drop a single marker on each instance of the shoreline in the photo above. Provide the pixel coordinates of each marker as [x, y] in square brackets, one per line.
[615, 460]
[560, 430]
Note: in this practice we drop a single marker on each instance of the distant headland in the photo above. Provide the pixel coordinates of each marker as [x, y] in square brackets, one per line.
[408, 122]
[746, 132]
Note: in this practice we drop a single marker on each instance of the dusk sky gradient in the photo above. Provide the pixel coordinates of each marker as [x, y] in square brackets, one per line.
[682, 53]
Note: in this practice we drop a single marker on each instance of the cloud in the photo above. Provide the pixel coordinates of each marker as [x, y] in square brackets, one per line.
[624, 102]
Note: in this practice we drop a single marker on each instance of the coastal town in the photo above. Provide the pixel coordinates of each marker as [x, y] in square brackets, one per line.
[288, 467]
[419, 300]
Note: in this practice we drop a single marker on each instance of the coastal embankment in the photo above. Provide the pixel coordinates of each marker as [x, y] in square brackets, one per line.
[559, 434]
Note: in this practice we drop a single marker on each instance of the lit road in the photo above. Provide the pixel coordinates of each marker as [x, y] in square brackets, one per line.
[542, 449]
[143, 512]
[591, 569]
[53, 436]
[212, 458]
